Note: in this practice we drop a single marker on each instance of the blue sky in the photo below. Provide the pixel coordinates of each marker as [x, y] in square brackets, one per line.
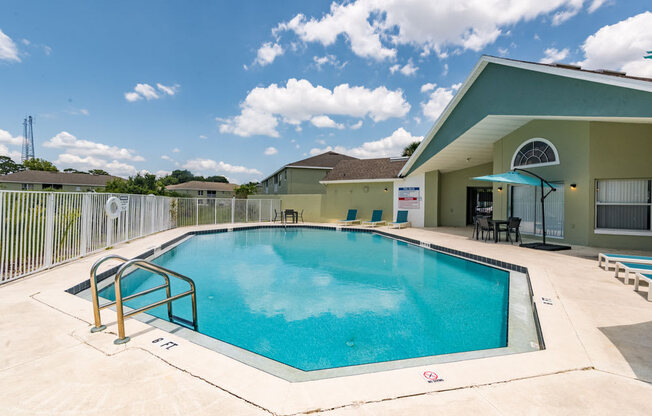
[241, 88]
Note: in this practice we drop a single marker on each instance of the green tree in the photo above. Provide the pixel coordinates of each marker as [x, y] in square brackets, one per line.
[40, 164]
[217, 178]
[7, 165]
[410, 148]
[178, 176]
[244, 190]
[71, 170]
[139, 184]
[98, 172]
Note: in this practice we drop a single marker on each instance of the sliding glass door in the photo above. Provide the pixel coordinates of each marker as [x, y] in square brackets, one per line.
[525, 203]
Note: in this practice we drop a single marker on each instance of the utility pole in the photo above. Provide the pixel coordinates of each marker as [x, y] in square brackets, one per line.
[28, 139]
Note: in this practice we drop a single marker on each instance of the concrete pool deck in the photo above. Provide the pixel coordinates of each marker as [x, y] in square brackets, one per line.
[597, 331]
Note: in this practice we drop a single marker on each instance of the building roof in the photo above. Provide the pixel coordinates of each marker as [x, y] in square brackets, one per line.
[501, 95]
[326, 160]
[58, 178]
[366, 169]
[202, 186]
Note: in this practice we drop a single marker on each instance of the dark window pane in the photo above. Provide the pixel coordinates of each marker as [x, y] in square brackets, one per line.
[624, 217]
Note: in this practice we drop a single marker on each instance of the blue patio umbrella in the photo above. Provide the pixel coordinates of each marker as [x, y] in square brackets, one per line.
[515, 177]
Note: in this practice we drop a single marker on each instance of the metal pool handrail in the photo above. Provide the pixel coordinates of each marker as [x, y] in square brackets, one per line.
[145, 265]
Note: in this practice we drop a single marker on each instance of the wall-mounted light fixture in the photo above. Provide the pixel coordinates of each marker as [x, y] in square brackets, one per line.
[573, 186]
[500, 189]
[385, 189]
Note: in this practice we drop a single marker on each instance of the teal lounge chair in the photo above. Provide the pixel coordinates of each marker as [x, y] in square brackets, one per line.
[401, 220]
[644, 276]
[622, 258]
[350, 218]
[376, 219]
[633, 268]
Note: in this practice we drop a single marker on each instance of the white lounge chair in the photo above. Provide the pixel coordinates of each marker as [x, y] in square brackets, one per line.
[376, 219]
[401, 220]
[644, 276]
[622, 258]
[632, 268]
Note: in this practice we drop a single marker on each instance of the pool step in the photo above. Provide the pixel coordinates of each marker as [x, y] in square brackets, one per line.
[179, 320]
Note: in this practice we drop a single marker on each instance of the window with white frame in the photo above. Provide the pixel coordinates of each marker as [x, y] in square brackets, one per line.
[623, 205]
[535, 152]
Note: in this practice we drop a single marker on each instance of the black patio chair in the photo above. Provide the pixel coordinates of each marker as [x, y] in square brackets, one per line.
[475, 227]
[275, 216]
[484, 226]
[301, 216]
[515, 226]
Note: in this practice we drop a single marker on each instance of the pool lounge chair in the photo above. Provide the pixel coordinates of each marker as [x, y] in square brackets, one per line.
[632, 268]
[622, 258]
[376, 219]
[350, 218]
[401, 220]
[644, 276]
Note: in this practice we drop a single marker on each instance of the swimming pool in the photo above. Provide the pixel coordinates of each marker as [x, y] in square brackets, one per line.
[316, 299]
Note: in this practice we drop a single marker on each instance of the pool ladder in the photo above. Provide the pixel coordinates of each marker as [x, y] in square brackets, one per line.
[119, 299]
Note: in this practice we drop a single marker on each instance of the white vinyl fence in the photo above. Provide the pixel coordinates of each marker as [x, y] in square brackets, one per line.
[42, 229]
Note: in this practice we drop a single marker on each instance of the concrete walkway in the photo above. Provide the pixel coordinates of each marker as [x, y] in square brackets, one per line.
[598, 333]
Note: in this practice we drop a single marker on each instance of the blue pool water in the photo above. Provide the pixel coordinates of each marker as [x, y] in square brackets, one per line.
[316, 299]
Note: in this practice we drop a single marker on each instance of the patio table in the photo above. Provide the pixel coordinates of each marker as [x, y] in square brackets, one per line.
[496, 224]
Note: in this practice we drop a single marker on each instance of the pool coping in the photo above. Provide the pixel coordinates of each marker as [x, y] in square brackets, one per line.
[524, 330]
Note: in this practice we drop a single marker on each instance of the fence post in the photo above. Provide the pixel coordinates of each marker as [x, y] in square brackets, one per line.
[232, 210]
[260, 210]
[49, 230]
[85, 219]
[246, 210]
[271, 207]
[197, 211]
[215, 214]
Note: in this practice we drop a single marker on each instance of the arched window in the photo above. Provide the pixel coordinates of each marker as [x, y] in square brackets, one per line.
[535, 152]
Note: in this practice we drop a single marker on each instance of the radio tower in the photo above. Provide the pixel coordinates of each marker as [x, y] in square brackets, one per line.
[28, 139]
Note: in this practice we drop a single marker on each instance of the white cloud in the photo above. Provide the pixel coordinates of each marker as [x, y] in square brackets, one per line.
[162, 173]
[208, 166]
[73, 145]
[268, 53]
[8, 49]
[320, 61]
[201, 136]
[564, 15]
[270, 151]
[176, 150]
[325, 122]
[407, 69]
[166, 157]
[89, 162]
[428, 87]
[6, 137]
[552, 55]
[375, 29]
[14, 154]
[356, 125]
[146, 91]
[438, 101]
[385, 147]
[596, 5]
[300, 101]
[169, 90]
[621, 46]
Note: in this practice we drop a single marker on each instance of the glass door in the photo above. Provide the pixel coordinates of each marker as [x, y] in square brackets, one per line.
[525, 203]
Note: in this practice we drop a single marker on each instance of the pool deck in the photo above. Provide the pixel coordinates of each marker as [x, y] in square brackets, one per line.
[597, 331]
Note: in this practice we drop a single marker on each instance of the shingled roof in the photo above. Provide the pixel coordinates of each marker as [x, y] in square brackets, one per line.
[202, 186]
[360, 169]
[326, 160]
[58, 178]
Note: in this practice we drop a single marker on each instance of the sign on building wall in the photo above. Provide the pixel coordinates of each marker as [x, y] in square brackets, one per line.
[409, 198]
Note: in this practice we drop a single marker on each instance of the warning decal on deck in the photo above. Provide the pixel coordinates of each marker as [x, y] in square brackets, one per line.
[431, 377]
